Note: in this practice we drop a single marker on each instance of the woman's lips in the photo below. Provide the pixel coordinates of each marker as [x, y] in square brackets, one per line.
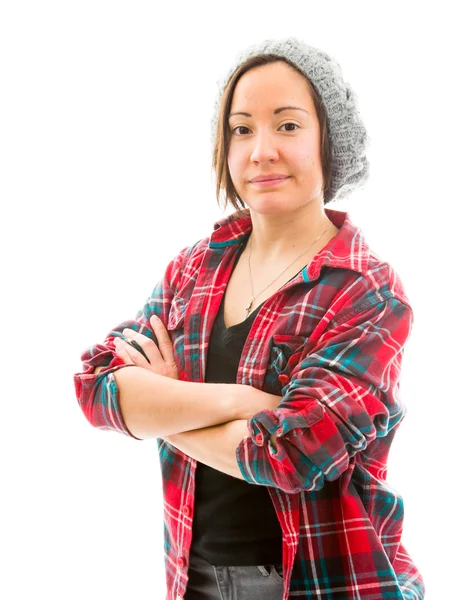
[270, 182]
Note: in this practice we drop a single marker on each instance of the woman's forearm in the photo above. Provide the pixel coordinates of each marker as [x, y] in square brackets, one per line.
[156, 406]
[215, 446]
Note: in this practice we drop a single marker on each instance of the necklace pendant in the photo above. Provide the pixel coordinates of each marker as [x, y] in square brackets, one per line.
[249, 307]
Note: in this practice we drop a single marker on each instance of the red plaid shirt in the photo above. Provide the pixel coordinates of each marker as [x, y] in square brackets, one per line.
[331, 342]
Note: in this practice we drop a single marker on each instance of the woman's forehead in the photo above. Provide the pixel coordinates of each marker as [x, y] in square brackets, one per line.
[275, 86]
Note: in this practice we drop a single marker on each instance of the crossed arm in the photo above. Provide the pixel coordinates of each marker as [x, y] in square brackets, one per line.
[206, 421]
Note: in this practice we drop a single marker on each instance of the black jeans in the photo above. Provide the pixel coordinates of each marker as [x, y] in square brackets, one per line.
[207, 582]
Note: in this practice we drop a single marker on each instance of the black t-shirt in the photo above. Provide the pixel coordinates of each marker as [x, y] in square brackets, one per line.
[235, 522]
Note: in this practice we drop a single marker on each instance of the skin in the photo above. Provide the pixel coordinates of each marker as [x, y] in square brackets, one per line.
[284, 218]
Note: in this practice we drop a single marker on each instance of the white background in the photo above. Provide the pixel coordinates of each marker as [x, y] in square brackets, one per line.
[105, 175]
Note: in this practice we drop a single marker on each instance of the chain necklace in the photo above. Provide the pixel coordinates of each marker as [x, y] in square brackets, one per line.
[249, 308]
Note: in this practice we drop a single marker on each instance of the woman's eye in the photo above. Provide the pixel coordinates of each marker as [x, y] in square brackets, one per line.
[293, 124]
[239, 127]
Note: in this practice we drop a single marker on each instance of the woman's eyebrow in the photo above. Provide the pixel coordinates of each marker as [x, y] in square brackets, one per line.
[276, 111]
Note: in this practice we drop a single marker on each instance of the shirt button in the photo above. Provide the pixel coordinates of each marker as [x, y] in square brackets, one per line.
[259, 438]
[186, 510]
[279, 431]
[181, 562]
[178, 597]
[283, 378]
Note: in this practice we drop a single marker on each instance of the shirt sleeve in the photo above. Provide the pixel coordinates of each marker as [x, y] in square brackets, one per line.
[343, 393]
[97, 394]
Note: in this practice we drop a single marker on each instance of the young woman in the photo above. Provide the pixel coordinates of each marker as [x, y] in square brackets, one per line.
[267, 359]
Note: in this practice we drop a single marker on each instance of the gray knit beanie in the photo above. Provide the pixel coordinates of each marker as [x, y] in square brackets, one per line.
[347, 133]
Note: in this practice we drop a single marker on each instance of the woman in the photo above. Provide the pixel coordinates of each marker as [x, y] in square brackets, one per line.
[271, 377]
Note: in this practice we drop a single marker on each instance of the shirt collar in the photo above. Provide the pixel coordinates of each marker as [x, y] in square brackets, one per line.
[347, 250]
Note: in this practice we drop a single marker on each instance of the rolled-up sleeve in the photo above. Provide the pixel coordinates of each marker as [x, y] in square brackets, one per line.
[97, 394]
[342, 394]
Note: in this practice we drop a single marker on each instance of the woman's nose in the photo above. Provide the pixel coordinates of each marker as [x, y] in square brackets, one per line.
[264, 147]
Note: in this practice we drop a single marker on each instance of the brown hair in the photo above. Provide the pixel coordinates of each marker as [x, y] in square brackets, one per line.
[223, 134]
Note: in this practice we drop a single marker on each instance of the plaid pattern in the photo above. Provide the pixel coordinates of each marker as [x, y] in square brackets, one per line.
[331, 343]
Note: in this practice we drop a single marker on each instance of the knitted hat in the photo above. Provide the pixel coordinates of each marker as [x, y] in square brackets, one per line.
[347, 133]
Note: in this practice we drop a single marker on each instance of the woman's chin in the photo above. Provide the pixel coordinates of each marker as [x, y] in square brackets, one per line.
[269, 206]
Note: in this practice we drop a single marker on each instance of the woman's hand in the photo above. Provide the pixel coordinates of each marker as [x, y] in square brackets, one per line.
[161, 358]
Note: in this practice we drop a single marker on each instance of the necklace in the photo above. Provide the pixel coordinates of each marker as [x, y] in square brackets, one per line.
[249, 308]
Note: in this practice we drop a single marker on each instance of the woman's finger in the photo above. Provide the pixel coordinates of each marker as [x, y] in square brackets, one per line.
[143, 344]
[144, 352]
[164, 341]
[122, 350]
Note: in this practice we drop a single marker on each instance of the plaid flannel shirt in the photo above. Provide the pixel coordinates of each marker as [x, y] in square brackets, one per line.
[331, 343]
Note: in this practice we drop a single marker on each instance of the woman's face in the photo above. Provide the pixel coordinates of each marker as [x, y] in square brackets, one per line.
[264, 143]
